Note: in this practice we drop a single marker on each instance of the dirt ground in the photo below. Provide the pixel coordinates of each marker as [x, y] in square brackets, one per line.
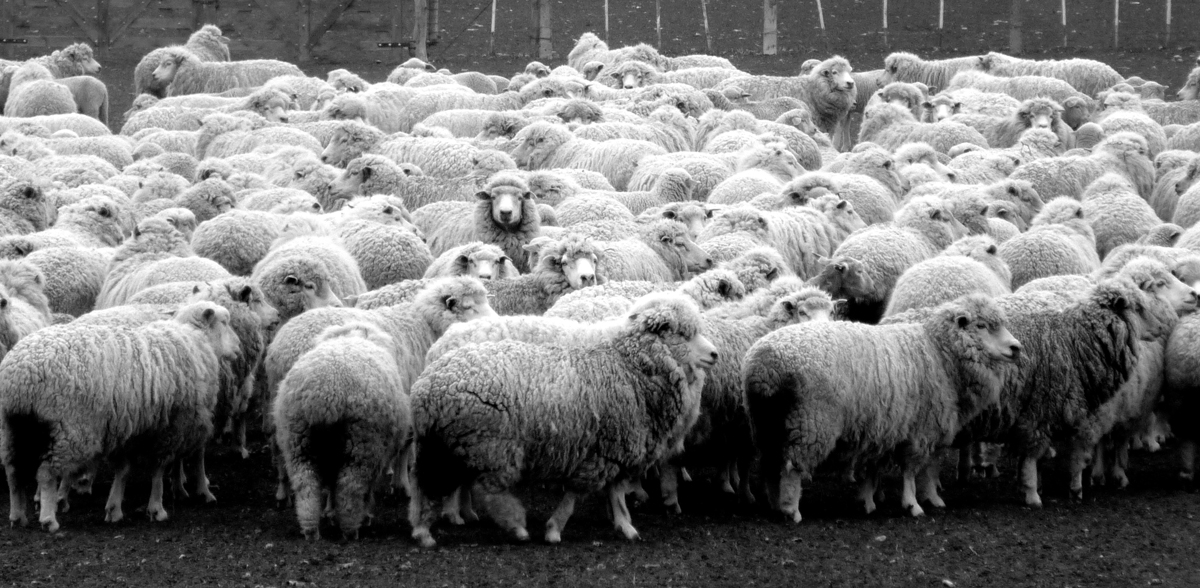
[1143, 536]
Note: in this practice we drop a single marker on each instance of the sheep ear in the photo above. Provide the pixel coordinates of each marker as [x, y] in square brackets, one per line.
[464, 260]
[244, 294]
[137, 232]
[483, 195]
[195, 289]
[29, 192]
[991, 250]
[937, 215]
[527, 195]
[669, 214]
[350, 300]
[450, 302]
[389, 209]
[962, 321]
[208, 315]
[771, 274]
[723, 289]
[365, 173]
[291, 280]
[789, 307]
[842, 204]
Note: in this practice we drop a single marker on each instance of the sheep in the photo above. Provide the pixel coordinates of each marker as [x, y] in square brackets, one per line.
[984, 166]
[157, 254]
[73, 276]
[90, 95]
[904, 95]
[652, 131]
[870, 390]
[385, 253]
[33, 92]
[891, 126]
[803, 234]
[1057, 386]
[111, 412]
[1085, 75]
[662, 252]
[505, 215]
[424, 104]
[692, 215]
[563, 265]
[24, 207]
[906, 67]
[828, 91]
[300, 273]
[673, 186]
[922, 228]
[758, 267]
[917, 152]
[24, 307]
[412, 327]
[346, 390]
[543, 145]
[668, 324]
[1116, 214]
[1019, 87]
[82, 125]
[759, 170]
[91, 222]
[376, 174]
[479, 260]
[940, 279]
[1059, 242]
[182, 72]
[207, 43]
[1124, 153]
[1036, 113]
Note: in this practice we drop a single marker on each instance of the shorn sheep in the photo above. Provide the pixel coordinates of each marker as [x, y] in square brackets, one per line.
[545, 419]
[341, 419]
[846, 391]
[153, 400]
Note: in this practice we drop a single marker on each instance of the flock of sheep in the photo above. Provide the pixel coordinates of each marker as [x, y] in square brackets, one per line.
[627, 268]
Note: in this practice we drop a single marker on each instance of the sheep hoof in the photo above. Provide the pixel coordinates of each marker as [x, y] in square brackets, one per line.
[311, 534]
[1186, 476]
[1076, 494]
[208, 497]
[553, 536]
[684, 475]
[795, 516]
[454, 519]
[673, 507]
[64, 505]
[245, 453]
[423, 538]
[1098, 480]
[520, 534]
[50, 525]
[113, 515]
[18, 521]
[1121, 481]
[630, 534]
[157, 513]
[868, 506]
[915, 510]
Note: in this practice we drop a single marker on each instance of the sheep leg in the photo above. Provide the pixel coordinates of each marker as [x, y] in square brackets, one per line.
[155, 507]
[353, 486]
[239, 435]
[281, 486]
[116, 494]
[908, 498]
[16, 498]
[930, 480]
[179, 481]
[506, 510]
[1099, 464]
[1120, 461]
[635, 487]
[729, 477]
[48, 491]
[201, 475]
[306, 488]
[790, 489]
[452, 506]
[744, 482]
[622, 521]
[1029, 480]
[964, 463]
[1078, 458]
[1187, 459]
[668, 486]
[421, 517]
[866, 488]
[558, 520]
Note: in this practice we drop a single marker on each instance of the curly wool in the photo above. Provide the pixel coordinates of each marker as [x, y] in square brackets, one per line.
[207, 44]
[74, 276]
[913, 384]
[1116, 213]
[25, 307]
[1085, 75]
[1124, 153]
[184, 73]
[663, 252]
[1060, 242]
[484, 261]
[326, 262]
[542, 145]
[891, 126]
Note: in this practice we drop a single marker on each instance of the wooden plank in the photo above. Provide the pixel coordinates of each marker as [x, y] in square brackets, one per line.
[327, 23]
[8, 20]
[80, 21]
[545, 47]
[421, 29]
[304, 20]
[129, 19]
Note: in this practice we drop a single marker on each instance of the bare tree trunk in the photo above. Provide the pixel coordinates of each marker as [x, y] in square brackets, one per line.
[1016, 22]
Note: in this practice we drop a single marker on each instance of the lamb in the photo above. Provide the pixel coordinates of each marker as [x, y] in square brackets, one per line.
[33, 92]
[922, 228]
[1060, 242]
[919, 385]
[828, 91]
[1124, 153]
[479, 260]
[112, 412]
[24, 307]
[207, 43]
[891, 126]
[1085, 75]
[660, 336]
[906, 67]
[952, 274]
[182, 72]
[542, 145]
[663, 252]
[1116, 213]
[345, 391]
[300, 273]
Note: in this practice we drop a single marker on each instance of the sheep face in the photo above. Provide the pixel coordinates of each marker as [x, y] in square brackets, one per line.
[1189, 178]
[693, 217]
[165, 72]
[939, 108]
[506, 202]
[1007, 211]
[803, 306]
[213, 321]
[483, 267]
[906, 96]
[1040, 114]
[692, 257]
[536, 142]
[989, 336]
[1191, 87]
[272, 105]
[313, 293]
[82, 56]
[632, 74]
[923, 153]
[580, 271]
[1155, 280]
[845, 277]
[834, 73]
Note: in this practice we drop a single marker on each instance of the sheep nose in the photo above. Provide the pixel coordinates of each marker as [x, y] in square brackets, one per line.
[283, 119]
[506, 215]
[850, 85]
[951, 176]
[708, 262]
[1015, 350]
[588, 280]
[713, 356]
[1193, 298]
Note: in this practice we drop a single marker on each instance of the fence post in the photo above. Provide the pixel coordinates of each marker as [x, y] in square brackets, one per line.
[304, 8]
[492, 34]
[885, 27]
[703, 10]
[420, 29]
[821, 21]
[606, 40]
[1015, 22]
[658, 23]
[8, 26]
[545, 47]
[1116, 24]
[1168, 39]
[434, 25]
[1064, 23]
[770, 28]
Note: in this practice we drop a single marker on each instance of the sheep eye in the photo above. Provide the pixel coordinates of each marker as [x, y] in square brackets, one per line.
[887, 165]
